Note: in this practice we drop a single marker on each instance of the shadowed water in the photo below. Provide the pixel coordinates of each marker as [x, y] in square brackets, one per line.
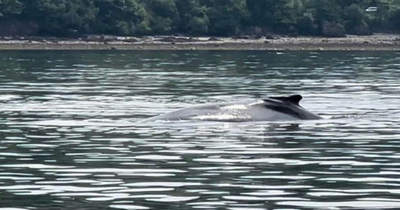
[71, 136]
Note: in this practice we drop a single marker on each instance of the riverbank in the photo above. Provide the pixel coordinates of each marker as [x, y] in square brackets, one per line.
[372, 42]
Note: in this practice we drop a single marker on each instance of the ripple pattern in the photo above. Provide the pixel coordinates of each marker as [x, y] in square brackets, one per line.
[71, 137]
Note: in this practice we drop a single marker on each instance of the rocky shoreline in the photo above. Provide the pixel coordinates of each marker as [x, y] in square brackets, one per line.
[98, 42]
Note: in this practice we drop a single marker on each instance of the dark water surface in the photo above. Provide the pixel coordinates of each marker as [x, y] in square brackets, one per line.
[70, 136]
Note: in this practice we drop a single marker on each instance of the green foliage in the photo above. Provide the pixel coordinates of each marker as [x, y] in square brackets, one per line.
[307, 24]
[194, 17]
[261, 12]
[120, 17]
[199, 17]
[162, 16]
[286, 15]
[198, 25]
[10, 7]
[325, 11]
[63, 17]
[355, 19]
[225, 16]
[332, 29]
[395, 19]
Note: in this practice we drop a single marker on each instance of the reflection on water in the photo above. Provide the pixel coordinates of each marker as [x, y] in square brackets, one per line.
[70, 137]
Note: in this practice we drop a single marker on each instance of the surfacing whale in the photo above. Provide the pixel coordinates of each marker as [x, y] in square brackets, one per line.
[269, 109]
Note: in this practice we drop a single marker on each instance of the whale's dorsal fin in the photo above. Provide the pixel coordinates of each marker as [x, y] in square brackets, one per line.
[293, 99]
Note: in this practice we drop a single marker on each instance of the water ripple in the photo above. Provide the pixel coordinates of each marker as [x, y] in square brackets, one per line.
[72, 138]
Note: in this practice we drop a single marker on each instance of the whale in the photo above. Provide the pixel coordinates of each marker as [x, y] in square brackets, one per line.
[268, 109]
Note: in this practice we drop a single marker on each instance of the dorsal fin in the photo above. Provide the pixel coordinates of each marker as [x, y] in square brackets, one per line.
[293, 98]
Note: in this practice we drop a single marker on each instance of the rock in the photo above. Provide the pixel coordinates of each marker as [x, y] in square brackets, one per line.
[241, 37]
[214, 39]
[269, 37]
[174, 39]
[108, 38]
[92, 38]
[127, 39]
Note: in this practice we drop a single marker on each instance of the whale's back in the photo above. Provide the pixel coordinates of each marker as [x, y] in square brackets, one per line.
[269, 109]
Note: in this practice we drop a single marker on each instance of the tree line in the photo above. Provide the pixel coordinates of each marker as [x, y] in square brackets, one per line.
[198, 17]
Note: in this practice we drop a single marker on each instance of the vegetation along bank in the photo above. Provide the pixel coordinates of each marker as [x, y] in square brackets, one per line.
[76, 18]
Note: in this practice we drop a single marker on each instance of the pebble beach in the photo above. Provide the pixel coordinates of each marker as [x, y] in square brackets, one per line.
[100, 42]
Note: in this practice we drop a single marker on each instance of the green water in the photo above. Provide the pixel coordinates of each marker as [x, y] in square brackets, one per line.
[70, 136]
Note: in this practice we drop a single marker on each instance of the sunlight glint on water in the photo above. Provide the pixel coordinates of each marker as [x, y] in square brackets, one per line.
[71, 138]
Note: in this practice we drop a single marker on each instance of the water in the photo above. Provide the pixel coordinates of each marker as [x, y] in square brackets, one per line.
[71, 137]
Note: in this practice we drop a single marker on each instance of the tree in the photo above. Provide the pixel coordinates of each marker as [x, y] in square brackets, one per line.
[380, 19]
[197, 17]
[261, 12]
[307, 25]
[347, 3]
[194, 17]
[325, 10]
[355, 20]
[327, 16]
[164, 16]
[10, 7]
[120, 17]
[62, 17]
[394, 17]
[226, 16]
[286, 15]
[333, 29]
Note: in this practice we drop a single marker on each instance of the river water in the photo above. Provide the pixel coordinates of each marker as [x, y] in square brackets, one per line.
[71, 136]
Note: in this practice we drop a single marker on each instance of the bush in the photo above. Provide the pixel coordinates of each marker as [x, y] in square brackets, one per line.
[355, 20]
[198, 25]
[361, 29]
[332, 29]
[307, 25]
[395, 19]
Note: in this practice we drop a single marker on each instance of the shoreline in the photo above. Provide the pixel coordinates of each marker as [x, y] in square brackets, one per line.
[376, 42]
